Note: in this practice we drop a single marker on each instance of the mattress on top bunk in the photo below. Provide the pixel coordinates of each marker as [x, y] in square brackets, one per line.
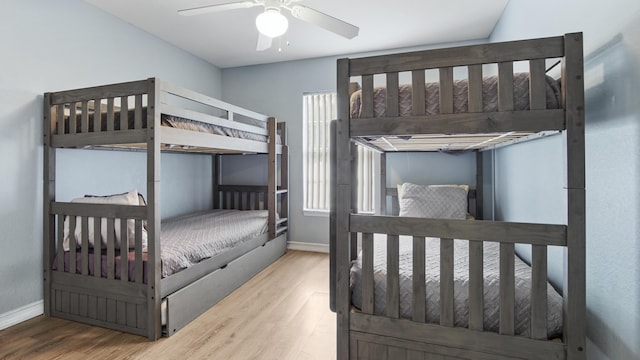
[187, 240]
[460, 96]
[491, 267]
[169, 121]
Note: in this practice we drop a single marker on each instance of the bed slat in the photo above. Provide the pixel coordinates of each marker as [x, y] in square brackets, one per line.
[84, 117]
[537, 85]
[72, 118]
[475, 88]
[505, 86]
[137, 120]
[72, 244]
[110, 114]
[97, 252]
[367, 96]
[252, 200]
[111, 244]
[392, 94]
[476, 285]
[124, 112]
[539, 292]
[85, 245]
[139, 268]
[97, 115]
[446, 90]
[368, 298]
[59, 121]
[418, 93]
[393, 276]
[124, 249]
[419, 288]
[225, 201]
[383, 185]
[446, 282]
[247, 201]
[507, 289]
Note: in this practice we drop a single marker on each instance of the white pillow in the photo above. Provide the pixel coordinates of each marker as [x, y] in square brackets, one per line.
[130, 198]
[399, 188]
[437, 202]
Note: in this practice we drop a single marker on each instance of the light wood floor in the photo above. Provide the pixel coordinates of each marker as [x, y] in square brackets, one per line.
[282, 313]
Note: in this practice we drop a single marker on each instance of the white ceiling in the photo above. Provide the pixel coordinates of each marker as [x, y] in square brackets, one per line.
[228, 39]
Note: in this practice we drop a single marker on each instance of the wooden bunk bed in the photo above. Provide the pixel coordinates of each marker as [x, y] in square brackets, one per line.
[126, 290]
[364, 331]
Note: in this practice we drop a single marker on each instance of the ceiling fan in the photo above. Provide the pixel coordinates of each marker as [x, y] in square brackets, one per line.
[271, 23]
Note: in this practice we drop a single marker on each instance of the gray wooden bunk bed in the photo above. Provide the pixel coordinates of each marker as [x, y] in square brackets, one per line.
[374, 320]
[121, 285]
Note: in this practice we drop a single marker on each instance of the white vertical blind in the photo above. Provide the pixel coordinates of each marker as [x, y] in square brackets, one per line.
[318, 111]
[365, 179]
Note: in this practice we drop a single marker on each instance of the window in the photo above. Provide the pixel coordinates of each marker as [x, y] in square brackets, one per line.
[318, 111]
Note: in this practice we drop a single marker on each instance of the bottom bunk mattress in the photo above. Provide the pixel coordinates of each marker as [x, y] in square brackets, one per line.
[491, 270]
[187, 240]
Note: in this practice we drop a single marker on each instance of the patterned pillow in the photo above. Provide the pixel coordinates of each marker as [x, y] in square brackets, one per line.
[437, 202]
[129, 198]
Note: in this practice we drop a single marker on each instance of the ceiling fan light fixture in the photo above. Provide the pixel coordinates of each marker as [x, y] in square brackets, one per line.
[272, 23]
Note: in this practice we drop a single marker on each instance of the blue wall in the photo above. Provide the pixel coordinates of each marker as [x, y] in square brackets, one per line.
[612, 84]
[59, 45]
[276, 90]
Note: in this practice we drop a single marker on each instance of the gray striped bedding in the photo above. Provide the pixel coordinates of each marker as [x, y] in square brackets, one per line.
[189, 239]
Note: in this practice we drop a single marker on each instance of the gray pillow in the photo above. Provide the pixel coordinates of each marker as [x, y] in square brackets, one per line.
[436, 202]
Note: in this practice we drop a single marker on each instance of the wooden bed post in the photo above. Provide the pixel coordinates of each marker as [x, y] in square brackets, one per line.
[154, 329]
[215, 174]
[479, 187]
[343, 209]
[575, 283]
[332, 215]
[353, 243]
[272, 202]
[383, 184]
[49, 195]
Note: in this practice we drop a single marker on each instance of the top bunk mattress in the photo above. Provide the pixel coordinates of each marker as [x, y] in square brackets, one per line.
[166, 120]
[460, 96]
[446, 141]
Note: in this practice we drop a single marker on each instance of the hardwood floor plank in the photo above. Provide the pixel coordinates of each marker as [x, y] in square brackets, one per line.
[281, 313]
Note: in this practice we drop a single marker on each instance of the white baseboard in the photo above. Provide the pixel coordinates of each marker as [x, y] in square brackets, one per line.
[19, 315]
[300, 246]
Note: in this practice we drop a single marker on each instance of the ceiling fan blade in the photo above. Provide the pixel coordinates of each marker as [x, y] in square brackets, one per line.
[324, 21]
[264, 42]
[217, 8]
